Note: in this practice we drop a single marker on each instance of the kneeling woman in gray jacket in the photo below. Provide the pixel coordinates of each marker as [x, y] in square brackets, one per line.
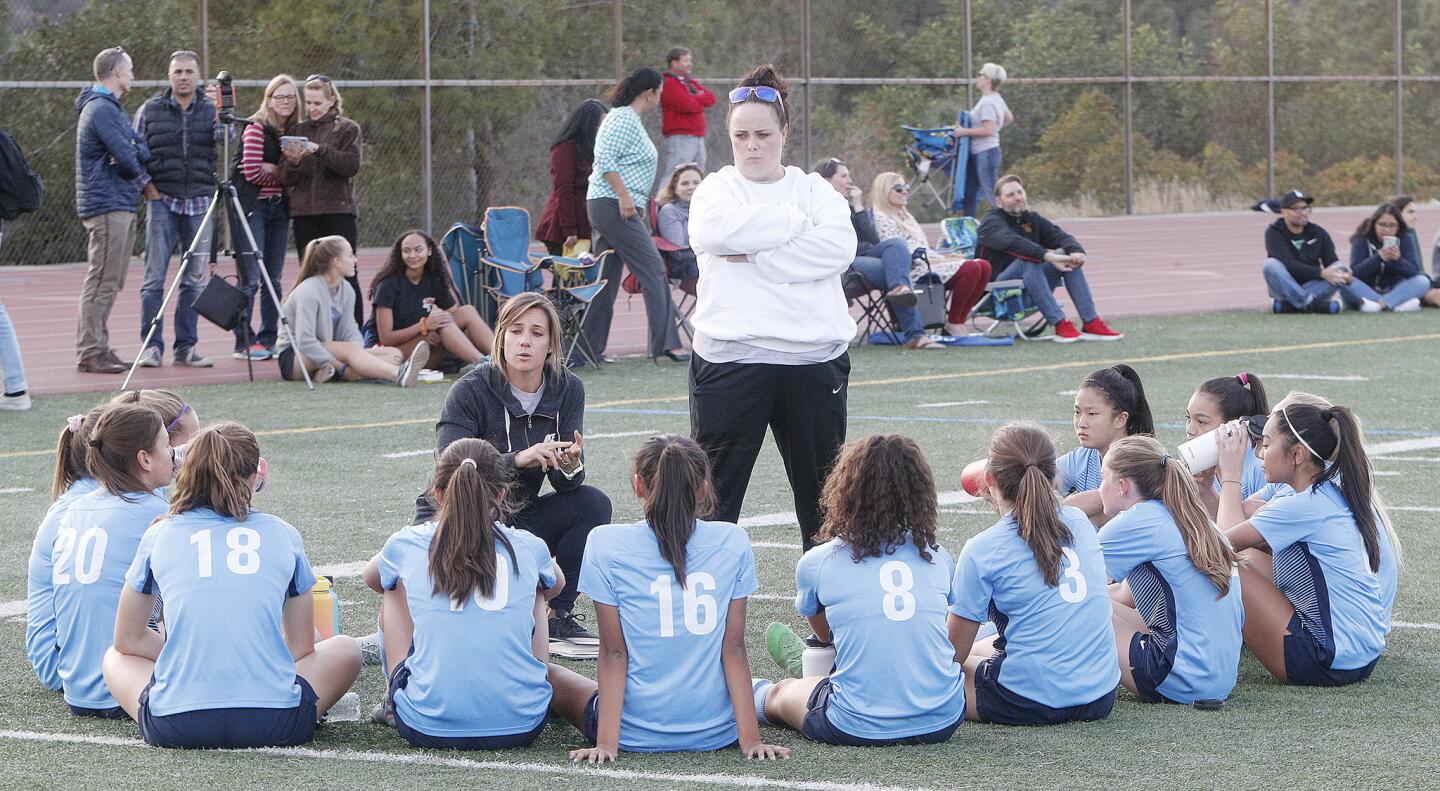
[321, 314]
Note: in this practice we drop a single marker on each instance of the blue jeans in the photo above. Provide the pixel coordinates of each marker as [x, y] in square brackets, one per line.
[269, 221]
[165, 229]
[1413, 287]
[1041, 279]
[885, 266]
[10, 361]
[980, 176]
[1284, 287]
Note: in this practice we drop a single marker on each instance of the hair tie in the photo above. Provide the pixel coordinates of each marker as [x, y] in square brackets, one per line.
[1164, 462]
[95, 443]
[469, 463]
[75, 422]
[1244, 379]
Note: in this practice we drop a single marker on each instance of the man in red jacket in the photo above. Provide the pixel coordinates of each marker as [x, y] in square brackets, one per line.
[682, 107]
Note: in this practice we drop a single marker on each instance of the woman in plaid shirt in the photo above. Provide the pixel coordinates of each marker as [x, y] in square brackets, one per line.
[620, 180]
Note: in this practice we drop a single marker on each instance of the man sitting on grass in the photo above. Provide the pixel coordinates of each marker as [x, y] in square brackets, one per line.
[1302, 271]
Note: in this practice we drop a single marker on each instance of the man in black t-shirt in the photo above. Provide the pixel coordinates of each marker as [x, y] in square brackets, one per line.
[1302, 272]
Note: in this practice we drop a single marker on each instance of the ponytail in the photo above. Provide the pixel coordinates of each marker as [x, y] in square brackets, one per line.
[474, 478]
[1121, 386]
[70, 451]
[121, 432]
[1022, 462]
[1332, 438]
[1239, 396]
[676, 476]
[216, 473]
[1159, 476]
[637, 82]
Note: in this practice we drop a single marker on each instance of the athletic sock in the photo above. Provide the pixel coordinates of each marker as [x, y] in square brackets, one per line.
[761, 688]
[15, 394]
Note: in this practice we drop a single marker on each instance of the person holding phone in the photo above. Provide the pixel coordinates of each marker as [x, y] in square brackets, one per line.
[320, 171]
[1386, 264]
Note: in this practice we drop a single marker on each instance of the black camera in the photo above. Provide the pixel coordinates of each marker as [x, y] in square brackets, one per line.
[1254, 426]
[225, 95]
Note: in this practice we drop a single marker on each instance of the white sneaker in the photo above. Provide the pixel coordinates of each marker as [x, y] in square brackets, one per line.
[1408, 306]
[1370, 306]
[150, 358]
[411, 368]
[15, 403]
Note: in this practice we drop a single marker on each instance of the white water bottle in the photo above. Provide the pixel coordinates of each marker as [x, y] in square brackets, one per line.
[1202, 453]
[818, 658]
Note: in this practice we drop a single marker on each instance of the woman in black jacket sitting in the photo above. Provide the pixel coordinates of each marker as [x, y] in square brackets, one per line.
[524, 403]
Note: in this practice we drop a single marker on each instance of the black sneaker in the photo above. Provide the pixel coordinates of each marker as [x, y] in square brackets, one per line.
[565, 627]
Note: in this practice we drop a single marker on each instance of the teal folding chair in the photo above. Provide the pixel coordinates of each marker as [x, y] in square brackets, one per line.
[510, 269]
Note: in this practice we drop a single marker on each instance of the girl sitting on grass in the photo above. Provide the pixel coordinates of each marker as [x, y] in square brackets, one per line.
[1177, 595]
[878, 587]
[1218, 401]
[670, 594]
[1038, 573]
[321, 313]
[1109, 405]
[239, 665]
[411, 302]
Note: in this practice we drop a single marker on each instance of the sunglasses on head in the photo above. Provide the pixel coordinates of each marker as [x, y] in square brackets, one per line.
[762, 92]
[317, 78]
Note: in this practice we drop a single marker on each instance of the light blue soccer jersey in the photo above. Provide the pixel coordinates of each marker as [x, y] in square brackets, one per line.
[473, 672]
[93, 547]
[1058, 642]
[1188, 620]
[1078, 471]
[1270, 491]
[40, 643]
[675, 693]
[1252, 479]
[225, 584]
[1321, 567]
[895, 670]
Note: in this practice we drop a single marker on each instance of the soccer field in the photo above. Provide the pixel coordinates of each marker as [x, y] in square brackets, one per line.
[347, 460]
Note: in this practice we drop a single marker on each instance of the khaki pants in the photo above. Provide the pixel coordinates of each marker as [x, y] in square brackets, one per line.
[111, 238]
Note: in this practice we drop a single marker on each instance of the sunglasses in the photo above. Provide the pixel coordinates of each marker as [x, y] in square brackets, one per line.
[900, 188]
[762, 92]
[317, 78]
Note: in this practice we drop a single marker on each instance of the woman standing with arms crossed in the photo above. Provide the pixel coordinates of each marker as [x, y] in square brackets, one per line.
[620, 180]
[563, 221]
[321, 174]
[771, 323]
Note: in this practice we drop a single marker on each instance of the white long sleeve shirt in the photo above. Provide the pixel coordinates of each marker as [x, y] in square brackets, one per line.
[797, 238]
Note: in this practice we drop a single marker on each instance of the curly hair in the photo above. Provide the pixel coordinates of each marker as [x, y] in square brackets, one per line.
[881, 493]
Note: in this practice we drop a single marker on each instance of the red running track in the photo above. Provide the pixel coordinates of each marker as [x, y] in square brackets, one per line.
[1146, 265]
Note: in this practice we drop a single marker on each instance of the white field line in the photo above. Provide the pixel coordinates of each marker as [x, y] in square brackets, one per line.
[1402, 446]
[1385, 473]
[16, 490]
[940, 404]
[613, 435]
[1429, 459]
[788, 517]
[772, 545]
[1068, 393]
[1422, 508]
[1316, 377]
[1405, 625]
[606, 775]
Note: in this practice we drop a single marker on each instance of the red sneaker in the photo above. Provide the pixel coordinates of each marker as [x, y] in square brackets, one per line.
[1065, 332]
[1097, 330]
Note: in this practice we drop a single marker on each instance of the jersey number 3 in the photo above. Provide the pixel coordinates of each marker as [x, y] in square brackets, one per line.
[1072, 587]
[244, 554]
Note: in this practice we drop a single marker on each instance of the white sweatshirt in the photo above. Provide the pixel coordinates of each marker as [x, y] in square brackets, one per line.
[798, 239]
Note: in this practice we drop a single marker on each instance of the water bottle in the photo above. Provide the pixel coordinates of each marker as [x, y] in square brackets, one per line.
[327, 608]
[818, 658]
[346, 709]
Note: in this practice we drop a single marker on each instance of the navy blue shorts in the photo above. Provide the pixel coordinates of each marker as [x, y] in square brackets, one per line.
[999, 705]
[401, 678]
[116, 713]
[238, 727]
[1149, 666]
[1307, 661]
[818, 728]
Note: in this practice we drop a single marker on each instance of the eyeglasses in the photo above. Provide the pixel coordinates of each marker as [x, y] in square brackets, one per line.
[1304, 208]
[283, 97]
[762, 92]
[317, 78]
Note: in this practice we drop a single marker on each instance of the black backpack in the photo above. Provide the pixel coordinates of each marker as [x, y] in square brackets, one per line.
[20, 188]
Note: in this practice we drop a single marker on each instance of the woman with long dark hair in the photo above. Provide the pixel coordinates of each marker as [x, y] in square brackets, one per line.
[1386, 261]
[412, 302]
[772, 328]
[620, 180]
[563, 222]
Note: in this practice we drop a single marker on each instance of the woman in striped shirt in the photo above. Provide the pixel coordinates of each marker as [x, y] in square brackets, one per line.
[620, 181]
[267, 208]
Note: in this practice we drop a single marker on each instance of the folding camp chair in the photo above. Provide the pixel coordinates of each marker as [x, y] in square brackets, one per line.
[959, 235]
[1007, 310]
[574, 284]
[874, 311]
[686, 305]
[936, 150]
[510, 269]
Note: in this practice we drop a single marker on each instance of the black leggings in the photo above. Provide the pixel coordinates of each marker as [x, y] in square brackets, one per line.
[308, 229]
[563, 520]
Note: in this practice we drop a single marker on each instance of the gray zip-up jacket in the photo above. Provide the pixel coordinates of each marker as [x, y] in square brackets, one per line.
[308, 311]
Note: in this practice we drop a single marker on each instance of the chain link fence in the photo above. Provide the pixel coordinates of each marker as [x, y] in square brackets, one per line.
[1121, 106]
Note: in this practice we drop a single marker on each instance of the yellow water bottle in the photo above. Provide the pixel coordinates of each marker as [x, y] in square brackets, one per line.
[327, 608]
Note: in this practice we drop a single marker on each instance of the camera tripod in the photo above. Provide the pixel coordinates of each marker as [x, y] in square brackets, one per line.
[226, 200]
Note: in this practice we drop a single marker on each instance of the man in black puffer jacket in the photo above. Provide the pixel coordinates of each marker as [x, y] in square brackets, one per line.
[179, 127]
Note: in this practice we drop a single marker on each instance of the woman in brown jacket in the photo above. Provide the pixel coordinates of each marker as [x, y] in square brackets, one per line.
[321, 172]
[564, 222]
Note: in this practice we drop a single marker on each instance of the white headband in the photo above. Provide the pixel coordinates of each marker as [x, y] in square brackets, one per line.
[1285, 415]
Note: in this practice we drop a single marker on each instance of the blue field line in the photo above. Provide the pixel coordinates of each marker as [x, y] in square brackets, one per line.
[986, 421]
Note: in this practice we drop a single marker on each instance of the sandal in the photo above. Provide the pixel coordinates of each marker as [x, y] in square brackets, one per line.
[923, 342]
[901, 296]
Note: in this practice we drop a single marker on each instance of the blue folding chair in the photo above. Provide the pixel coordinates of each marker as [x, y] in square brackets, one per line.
[574, 284]
[937, 150]
[510, 269]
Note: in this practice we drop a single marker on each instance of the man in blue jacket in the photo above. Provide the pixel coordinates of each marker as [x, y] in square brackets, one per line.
[178, 126]
[109, 160]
